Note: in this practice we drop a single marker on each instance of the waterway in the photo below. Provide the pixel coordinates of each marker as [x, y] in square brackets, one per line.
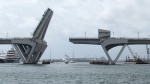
[75, 73]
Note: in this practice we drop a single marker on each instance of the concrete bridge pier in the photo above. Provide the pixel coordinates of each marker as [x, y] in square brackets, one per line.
[112, 62]
[30, 51]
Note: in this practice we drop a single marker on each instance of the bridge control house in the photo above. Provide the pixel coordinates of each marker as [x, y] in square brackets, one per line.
[103, 33]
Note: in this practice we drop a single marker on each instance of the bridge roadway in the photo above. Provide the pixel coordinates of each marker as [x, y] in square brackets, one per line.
[11, 40]
[110, 43]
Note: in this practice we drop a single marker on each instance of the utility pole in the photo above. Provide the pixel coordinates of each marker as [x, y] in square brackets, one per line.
[113, 34]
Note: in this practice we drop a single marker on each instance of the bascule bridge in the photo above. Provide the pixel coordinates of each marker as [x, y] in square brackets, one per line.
[31, 49]
[107, 42]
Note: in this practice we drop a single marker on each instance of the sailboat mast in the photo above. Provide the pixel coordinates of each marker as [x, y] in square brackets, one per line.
[50, 54]
[72, 55]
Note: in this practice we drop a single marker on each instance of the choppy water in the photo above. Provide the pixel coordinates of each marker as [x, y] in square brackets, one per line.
[77, 73]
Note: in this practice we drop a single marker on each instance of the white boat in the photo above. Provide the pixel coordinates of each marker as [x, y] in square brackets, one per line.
[71, 61]
[12, 56]
[129, 61]
[2, 57]
[66, 60]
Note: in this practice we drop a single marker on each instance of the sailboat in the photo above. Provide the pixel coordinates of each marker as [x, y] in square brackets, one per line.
[72, 58]
[66, 59]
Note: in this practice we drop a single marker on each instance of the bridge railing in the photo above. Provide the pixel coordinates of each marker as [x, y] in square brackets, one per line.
[94, 38]
[130, 38]
[84, 38]
[14, 38]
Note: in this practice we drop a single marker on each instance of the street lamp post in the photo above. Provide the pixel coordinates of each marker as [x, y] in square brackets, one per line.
[138, 35]
[148, 36]
[85, 34]
[6, 35]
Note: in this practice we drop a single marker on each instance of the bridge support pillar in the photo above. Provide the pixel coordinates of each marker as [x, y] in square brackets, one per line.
[116, 59]
[19, 53]
[108, 56]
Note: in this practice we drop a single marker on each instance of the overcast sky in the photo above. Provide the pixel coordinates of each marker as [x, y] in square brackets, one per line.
[72, 18]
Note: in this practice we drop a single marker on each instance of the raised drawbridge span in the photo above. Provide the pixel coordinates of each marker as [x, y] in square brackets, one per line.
[108, 42]
[31, 49]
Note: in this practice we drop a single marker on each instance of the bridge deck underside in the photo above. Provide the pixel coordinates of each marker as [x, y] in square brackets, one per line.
[5, 41]
[94, 41]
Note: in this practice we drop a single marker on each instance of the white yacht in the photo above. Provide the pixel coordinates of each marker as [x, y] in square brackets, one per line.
[12, 56]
